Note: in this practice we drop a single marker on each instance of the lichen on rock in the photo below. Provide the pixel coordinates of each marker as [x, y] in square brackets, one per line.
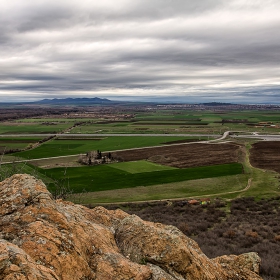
[43, 238]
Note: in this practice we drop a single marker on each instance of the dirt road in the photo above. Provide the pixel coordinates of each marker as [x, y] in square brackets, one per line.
[183, 198]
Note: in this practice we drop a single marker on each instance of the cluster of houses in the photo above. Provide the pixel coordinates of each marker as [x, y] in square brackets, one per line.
[95, 158]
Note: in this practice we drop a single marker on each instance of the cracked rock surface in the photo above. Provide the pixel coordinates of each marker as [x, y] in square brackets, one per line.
[43, 238]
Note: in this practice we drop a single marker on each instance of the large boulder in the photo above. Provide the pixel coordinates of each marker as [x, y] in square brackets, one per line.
[43, 238]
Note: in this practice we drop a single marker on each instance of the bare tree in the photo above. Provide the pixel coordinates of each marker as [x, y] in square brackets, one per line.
[61, 188]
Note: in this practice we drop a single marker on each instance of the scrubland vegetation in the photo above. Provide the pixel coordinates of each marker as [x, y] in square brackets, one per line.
[223, 228]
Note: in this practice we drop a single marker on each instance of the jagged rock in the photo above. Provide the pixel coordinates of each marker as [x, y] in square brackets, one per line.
[16, 264]
[247, 261]
[41, 238]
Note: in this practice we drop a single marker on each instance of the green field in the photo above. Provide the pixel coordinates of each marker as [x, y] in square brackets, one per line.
[210, 116]
[23, 128]
[7, 170]
[132, 127]
[17, 143]
[176, 190]
[140, 166]
[160, 121]
[55, 120]
[106, 177]
[182, 121]
[55, 148]
[140, 181]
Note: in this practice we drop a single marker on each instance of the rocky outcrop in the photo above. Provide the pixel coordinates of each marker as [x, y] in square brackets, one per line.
[41, 238]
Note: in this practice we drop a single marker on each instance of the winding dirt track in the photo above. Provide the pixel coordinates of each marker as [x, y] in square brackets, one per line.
[183, 198]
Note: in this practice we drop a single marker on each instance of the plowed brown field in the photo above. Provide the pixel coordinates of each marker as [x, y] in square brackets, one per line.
[266, 155]
[185, 155]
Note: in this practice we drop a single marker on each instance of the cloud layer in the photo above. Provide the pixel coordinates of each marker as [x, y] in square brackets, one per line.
[209, 50]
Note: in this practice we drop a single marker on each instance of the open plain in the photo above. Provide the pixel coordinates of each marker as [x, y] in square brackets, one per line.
[160, 159]
[52, 141]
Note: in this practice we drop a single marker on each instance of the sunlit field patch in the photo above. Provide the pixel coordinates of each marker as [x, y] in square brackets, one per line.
[140, 166]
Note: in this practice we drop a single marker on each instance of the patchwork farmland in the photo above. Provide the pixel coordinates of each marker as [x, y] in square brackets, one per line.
[147, 142]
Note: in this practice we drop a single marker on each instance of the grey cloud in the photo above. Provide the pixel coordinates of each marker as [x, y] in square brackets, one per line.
[170, 47]
[159, 9]
[61, 14]
[51, 18]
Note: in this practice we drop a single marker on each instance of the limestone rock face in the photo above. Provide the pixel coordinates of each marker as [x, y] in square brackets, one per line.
[41, 238]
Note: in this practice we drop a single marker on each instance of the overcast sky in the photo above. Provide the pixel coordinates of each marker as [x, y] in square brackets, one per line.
[194, 51]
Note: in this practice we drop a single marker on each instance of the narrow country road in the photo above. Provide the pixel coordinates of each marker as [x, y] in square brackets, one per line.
[183, 198]
[225, 135]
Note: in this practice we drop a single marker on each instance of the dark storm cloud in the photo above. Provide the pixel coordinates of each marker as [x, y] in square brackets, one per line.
[204, 49]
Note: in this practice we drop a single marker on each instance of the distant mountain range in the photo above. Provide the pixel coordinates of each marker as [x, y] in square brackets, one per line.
[83, 101]
[74, 101]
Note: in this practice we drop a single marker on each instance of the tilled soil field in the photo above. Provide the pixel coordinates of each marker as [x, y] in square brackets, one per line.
[266, 155]
[185, 155]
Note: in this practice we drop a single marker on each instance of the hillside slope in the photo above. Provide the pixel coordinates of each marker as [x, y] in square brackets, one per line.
[41, 238]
